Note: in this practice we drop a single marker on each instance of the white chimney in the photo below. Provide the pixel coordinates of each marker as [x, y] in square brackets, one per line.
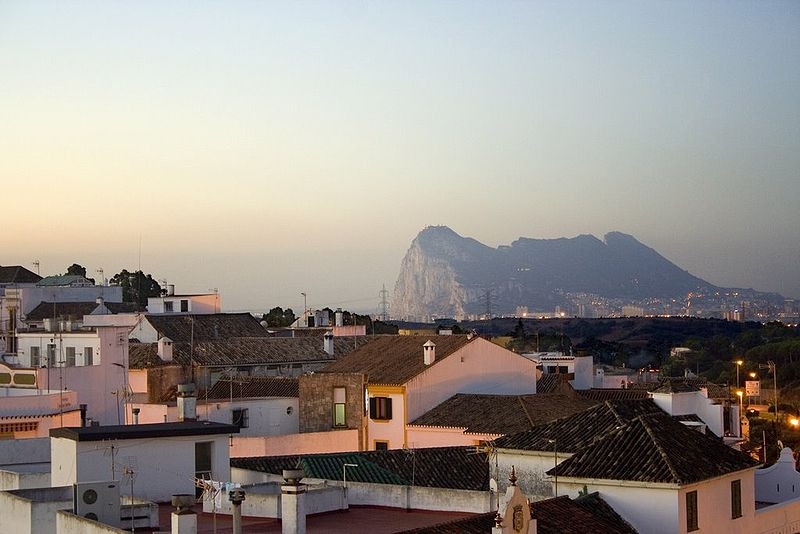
[339, 317]
[293, 505]
[170, 290]
[327, 344]
[429, 352]
[165, 349]
[99, 301]
[183, 519]
[187, 403]
[49, 324]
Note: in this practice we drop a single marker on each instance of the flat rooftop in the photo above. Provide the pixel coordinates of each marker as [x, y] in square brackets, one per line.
[145, 431]
[372, 519]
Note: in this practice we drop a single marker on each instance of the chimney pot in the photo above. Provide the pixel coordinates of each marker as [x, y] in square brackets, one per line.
[429, 352]
[327, 344]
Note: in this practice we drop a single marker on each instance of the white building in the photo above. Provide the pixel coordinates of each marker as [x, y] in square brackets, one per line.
[578, 367]
[779, 482]
[165, 457]
[199, 303]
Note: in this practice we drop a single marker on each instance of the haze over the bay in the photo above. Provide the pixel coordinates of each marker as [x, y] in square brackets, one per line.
[271, 148]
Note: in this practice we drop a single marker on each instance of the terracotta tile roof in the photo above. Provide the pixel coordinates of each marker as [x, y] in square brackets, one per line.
[589, 513]
[559, 515]
[17, 274]
[233, 352]
[395, 359]
[476, 524]
[614, 394]
[576, 431]
[654, 448]
[207, 327]
[501, 414]
[437, 467]
[76, 310]
[552, 382]
[254, 387]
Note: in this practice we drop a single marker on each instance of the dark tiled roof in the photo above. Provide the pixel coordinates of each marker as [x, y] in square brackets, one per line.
[233, 352]
[476, 524]
[560, 515]
[395, 359]
[614, 394]
[654, 448]
[501, 414]
[438, 467]
[61, 280]
[590, 513]
[44, 310]
[17, 274]
[145, 431]
[715, 391]
[551, 382]
[207, 327]
[675, 386]
[253, 387]
[574, 432]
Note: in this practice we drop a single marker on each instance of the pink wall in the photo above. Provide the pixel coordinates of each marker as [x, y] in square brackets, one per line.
[305, 443]
[70, 418]
[419, 437]
[137, 379]
[486, 368]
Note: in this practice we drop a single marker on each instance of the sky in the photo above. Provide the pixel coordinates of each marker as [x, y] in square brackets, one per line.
[272, 148]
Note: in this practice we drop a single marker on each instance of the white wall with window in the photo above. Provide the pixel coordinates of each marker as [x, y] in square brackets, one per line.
[57, 349]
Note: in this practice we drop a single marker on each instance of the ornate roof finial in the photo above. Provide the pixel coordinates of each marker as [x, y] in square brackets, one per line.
[498, 520]
[513, 477]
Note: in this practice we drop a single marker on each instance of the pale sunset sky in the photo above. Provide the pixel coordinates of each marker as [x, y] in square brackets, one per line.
[269, 148]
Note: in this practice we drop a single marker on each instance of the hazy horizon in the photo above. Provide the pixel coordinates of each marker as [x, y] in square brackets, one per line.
[268, 149]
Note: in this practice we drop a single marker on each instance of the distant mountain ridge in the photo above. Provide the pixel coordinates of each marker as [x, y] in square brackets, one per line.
[448, 275]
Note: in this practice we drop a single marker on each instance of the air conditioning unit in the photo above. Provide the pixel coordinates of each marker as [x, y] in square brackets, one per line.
[98, 501]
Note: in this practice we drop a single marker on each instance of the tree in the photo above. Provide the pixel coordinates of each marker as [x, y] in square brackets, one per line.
[278, 317]
[136, 286]
[77, 269]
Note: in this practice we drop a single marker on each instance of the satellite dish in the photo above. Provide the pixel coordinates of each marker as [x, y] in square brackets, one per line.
[492, 485]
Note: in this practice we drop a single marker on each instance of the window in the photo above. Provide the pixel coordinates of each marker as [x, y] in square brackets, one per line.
[339, 411]
[736, 499]
[51, 355]
[563, 369]
[70, 353]
[380, 408]
[184, 306]
[552, 368]
[167, 306]
[88, 356]
[691, 511]
[202, 459]
[381, 445]
[36, 357]
[241, 418]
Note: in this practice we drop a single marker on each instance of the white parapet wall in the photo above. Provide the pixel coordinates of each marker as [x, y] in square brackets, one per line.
[69, 523]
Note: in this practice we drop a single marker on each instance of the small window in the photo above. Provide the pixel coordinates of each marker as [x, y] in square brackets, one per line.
[563, 369]
[70, 356]
[168, 306]
[381, 445]
[691, 511]
[240, 418]
[552, 369]
[51, 355]
[88, 356]
[184, 306]
[339, 410]
[736, 499]
[36, 357]
[380, 408]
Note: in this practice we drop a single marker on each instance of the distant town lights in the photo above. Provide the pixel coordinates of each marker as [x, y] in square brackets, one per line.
[794, 421]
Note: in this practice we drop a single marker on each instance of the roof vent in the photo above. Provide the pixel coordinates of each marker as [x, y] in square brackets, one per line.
[429, 352]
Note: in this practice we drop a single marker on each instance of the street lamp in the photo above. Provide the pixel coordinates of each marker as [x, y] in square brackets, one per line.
[738, 364]
[771, 366]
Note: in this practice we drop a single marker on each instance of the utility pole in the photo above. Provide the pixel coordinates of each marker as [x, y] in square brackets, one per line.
[384, 305]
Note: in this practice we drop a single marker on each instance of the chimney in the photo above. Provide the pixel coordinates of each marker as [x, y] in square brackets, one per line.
[429, 352]
[135, 412]
[184, 520]
[187, 403]
[165, 349]
[237, 498]
[83, 414]
[339, 317]
[49, 324]
[328, 342]
[293, 506]
[99, 301]
[170, 290]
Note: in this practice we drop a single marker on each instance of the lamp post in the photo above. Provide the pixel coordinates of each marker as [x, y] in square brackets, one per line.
[738, 365]
[771, 366]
